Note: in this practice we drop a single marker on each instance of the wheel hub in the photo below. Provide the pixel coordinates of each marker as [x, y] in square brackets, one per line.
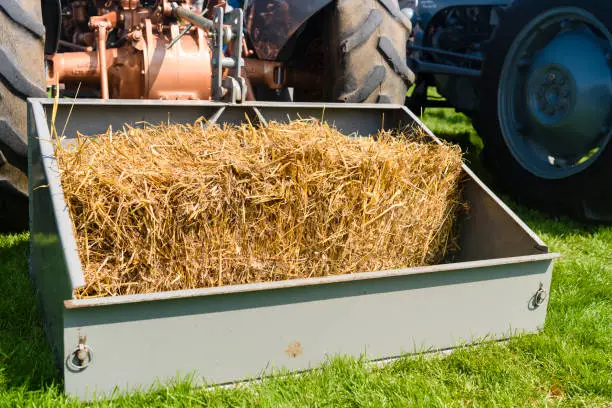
[552, 93]
[569, 94]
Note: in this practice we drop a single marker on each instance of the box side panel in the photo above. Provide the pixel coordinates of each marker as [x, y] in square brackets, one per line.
[90, 119]
[488, 232]
[348, 120]
[239, 336]
[47, 265]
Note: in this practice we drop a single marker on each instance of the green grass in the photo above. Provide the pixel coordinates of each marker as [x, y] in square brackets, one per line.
[569, 364]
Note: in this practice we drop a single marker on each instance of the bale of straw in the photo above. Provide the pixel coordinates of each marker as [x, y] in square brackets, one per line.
[176, 207]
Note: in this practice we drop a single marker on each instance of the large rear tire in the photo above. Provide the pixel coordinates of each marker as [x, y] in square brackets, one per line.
[367, 52]
[546, 105]
[21, 76]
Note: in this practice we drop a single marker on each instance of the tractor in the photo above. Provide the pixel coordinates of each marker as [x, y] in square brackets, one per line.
[535, 76]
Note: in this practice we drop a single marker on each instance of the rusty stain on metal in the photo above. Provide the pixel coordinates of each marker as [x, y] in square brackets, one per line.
[294, 349]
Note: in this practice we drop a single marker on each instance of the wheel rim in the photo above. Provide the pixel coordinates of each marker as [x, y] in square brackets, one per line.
[555, 93]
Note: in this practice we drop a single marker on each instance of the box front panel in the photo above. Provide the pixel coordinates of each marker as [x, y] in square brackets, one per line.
[230, 337]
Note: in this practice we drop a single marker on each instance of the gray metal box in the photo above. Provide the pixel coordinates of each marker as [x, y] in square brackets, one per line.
[226, 334]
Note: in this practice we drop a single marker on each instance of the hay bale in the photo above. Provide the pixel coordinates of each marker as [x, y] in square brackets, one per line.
[175, 207]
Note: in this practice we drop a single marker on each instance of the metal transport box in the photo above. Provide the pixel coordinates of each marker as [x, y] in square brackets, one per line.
[495, 287]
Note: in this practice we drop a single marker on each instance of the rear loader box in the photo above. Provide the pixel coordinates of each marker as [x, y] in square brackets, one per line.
[495, 286]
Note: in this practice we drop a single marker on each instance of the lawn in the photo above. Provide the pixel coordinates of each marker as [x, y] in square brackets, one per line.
[568, 364]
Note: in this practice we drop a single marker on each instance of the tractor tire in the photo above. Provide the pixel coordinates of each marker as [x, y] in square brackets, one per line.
[367, 52]
[21, 76]
[545, 118]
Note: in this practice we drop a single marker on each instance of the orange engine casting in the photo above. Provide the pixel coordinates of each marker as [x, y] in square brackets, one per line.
[143, 65]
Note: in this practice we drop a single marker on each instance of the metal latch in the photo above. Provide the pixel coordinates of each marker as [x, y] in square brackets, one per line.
[81, 357]
[538, 298]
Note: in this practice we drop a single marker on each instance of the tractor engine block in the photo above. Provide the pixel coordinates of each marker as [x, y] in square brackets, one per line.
[138, 52]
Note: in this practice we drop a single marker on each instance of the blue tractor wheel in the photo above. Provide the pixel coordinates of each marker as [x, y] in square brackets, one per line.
[546, 105]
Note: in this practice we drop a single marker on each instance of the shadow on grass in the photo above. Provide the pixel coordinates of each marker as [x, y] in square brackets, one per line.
[25, 358]
[463, 139]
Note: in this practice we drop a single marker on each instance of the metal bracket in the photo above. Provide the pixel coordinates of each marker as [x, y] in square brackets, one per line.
[228, 30]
